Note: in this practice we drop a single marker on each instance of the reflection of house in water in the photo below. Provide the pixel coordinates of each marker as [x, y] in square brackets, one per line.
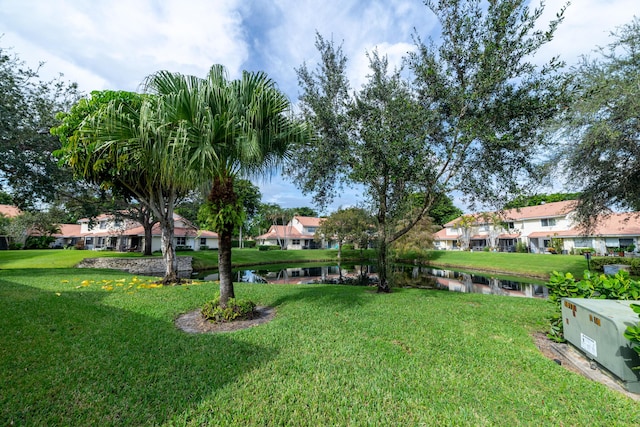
[471, 283]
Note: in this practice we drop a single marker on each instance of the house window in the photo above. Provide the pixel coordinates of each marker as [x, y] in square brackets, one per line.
[103, 225]
[89, 240]
[546, 243]
[295, 242]
[625, 243]
[511, 225]
[203, 241]
[311, 229]
[548, 222]
[181, 241]
[582, 243]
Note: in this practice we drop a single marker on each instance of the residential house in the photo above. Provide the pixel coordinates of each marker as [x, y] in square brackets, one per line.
[538, 228]
[299, 233]
[110, 232]
[68, 236]
[7, 211]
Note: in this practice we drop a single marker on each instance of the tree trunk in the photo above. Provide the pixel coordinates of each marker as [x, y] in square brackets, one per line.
[383, 281]
[340, 280]
[148, 238]
[169, 253]
[224, 266]
[223, 195]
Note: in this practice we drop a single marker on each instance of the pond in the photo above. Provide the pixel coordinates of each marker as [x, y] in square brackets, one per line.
[404, 275]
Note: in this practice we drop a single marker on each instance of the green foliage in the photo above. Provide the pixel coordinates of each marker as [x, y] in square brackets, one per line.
[235, 309]
[632, 333]
[538, 199]
[521, 247]
[218, 217]
[443, 210]
[598, 263]
[601, 150]
[350, 225]
[28, 108]
[39, 242]
[617, 287]
[269, 247]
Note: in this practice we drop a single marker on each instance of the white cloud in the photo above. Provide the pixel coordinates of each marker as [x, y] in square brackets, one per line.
[587, 24]
[115, 44]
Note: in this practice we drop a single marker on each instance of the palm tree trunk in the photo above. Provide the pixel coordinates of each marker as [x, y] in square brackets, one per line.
[169, 252]
[224, 266]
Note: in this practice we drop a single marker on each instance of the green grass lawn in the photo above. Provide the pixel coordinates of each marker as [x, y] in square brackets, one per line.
[52, 258]
[534, 265]
[92, 347]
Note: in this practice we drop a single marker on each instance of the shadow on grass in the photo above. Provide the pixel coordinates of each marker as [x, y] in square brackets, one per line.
[69, 359]
[330, 296]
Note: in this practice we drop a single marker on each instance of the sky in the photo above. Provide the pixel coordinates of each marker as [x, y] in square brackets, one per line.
[115, 44]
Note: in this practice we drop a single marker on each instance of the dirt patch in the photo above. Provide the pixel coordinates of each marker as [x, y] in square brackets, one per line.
[546, 347]
[573, 360]
[194, 323]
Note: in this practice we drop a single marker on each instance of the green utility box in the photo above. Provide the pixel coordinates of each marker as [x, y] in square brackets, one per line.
[596, 327]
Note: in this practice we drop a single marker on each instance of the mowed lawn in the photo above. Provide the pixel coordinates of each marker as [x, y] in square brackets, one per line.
[532, 265]
[98, 347]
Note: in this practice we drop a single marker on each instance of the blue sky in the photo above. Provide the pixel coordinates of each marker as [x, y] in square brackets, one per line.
[115, 44]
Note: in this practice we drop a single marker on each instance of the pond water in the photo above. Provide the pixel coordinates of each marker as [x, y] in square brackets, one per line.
[404, 275]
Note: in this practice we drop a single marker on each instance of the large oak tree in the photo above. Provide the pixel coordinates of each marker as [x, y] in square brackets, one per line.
[601, 127]
[470, 120]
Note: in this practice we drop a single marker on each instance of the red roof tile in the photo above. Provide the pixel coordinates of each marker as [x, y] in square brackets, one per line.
[9, 211]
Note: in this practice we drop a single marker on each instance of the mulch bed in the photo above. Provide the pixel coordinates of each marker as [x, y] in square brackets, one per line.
[195, 323]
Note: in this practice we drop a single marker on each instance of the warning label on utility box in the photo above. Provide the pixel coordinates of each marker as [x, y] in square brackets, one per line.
[588, 345]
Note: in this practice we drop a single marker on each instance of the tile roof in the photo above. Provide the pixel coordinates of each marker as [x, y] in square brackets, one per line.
[616, 224]
[9, 211]
[69, 230]
[545, 210]
[282, 231]
[309, 221]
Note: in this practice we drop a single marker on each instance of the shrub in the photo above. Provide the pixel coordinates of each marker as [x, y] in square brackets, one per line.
[348, 247]
[183, 248]
[249, 244]
[235, 310]
[599, 263]
[521, 247]
[204, 247]
[268, 248]
[632, 333]
[15, 246]
[39, 242]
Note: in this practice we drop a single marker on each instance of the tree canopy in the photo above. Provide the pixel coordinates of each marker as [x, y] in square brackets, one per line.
[471, 118]
[537, 199]
[28, 108]
[601, 127]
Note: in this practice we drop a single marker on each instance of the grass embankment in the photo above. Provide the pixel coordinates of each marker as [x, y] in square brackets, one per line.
[73, 352]
[533, 265]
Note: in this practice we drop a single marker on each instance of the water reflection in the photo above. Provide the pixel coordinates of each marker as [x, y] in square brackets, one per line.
[474, 283]
[404, 276]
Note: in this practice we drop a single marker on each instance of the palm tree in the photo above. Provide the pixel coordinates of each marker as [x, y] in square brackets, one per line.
[132, 144]
[229, 128]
